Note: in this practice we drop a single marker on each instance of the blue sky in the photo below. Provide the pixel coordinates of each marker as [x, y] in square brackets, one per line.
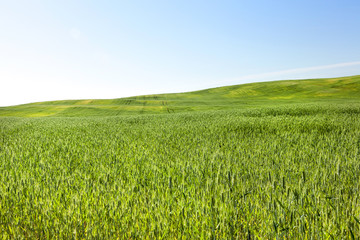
[76, 49]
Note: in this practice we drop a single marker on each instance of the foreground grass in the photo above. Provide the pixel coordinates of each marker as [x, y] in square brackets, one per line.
[269, 172]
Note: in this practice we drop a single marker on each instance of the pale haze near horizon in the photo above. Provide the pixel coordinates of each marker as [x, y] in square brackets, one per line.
[52, 50]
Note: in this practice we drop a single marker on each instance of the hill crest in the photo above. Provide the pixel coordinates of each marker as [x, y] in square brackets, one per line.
[235, 96]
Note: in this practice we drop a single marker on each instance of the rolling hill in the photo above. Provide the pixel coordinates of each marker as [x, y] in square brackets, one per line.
[271, 160]
[340, 90]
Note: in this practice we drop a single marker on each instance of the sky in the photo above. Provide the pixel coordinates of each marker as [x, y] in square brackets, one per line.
[83, 49]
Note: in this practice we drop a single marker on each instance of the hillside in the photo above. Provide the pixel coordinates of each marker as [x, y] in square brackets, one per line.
[280, 161]
[237, 96]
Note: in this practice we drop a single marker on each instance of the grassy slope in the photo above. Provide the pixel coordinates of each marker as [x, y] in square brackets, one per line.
[281, 162]
[339, 90]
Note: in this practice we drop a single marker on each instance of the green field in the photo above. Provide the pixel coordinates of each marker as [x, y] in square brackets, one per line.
[253, 95]
[272, 160]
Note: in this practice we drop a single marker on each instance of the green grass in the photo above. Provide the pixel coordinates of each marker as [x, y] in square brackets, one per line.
[230, 97]
[238, 162]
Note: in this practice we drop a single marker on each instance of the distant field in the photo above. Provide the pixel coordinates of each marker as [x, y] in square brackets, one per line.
[275, 160]
[339, 90]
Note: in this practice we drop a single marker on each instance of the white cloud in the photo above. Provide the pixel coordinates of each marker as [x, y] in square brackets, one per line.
[332, 70]
[301, 70]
